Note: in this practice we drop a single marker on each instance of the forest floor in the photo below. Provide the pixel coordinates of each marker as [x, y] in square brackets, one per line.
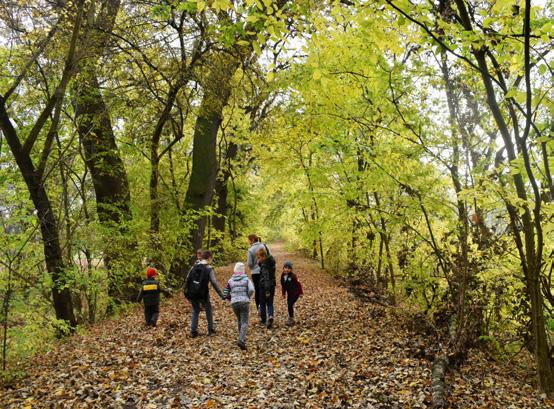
[342, 353]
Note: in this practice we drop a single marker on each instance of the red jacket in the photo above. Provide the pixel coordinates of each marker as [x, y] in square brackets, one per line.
[290, 285]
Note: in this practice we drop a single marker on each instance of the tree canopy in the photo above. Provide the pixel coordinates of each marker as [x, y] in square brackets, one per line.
[404, 145]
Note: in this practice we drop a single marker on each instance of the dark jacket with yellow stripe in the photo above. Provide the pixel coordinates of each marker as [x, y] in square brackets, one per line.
[150, 292]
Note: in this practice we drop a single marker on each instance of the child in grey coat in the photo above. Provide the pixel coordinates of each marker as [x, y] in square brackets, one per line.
[238, 290]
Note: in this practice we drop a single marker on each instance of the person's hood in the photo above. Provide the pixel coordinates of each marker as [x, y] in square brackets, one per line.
[238, 276]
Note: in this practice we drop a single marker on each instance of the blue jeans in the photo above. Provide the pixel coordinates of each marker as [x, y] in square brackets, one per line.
[266, 304]
[196, 306]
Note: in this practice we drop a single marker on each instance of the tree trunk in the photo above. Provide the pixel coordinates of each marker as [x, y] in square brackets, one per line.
[102, 157]
[438, 386]
[466, 323]
[95, 128]
[386, 241]
[204, 157]
[5, 316]
[108, 174]
[222, 192]
[204, 163]
[61, 295]
[155, 157]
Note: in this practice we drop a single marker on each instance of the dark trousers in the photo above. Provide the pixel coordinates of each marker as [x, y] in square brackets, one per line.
[257, 296]
[151, 314]
[197, 306]
[290, 304]
[266, 304]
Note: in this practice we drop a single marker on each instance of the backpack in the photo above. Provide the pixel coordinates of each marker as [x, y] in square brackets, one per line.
[196, 287]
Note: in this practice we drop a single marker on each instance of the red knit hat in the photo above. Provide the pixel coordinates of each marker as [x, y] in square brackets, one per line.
[151, 272]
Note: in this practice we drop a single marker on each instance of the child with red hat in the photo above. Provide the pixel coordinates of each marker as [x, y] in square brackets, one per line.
[150, 294]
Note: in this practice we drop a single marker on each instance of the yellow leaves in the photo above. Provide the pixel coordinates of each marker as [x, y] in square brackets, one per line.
[271, 30]
[373, 58]
[211, 404]
[316, 75]
[274, 362]
[252, 18]
[200, 5]
[517, 95]
[219, 5]
[500, 6]
[304, 340]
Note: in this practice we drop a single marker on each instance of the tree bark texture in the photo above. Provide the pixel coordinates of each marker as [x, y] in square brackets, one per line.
[102, 156]
[438, 386]
[222, 190]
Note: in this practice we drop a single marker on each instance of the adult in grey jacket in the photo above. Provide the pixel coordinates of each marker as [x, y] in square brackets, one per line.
[204, 302]
[238, 290]
[252, 255]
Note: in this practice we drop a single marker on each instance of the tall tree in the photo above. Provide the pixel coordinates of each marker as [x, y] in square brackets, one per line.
[34, 174]
[101, 154]
[238, 49]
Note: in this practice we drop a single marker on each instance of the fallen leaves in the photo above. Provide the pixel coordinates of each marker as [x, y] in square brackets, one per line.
[343, 353]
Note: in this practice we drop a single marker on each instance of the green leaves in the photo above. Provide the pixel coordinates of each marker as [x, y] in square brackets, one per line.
[517, 95]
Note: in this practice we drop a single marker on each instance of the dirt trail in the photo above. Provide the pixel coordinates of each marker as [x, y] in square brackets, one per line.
[341, 353]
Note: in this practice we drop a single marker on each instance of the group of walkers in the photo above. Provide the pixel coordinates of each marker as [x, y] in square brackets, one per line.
[238, 290]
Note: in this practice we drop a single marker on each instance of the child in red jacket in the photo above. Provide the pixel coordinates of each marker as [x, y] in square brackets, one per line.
[291, 287]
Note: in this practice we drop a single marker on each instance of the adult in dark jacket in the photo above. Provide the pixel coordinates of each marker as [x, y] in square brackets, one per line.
[150, 294]
[267, 286]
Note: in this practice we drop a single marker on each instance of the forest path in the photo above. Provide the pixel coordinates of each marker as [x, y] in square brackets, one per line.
[341, 353]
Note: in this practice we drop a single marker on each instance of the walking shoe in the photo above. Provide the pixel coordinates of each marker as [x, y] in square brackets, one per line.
[290, 322]
[211, 332]
[270, 323]
[193, 334]
[241, 345]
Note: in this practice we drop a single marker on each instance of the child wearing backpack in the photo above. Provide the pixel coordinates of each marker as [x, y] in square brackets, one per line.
[238, 291]
[150, 294]
[291, 287]
[197, 292]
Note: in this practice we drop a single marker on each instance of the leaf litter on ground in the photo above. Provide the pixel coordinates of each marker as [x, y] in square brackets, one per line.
[341, 353]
